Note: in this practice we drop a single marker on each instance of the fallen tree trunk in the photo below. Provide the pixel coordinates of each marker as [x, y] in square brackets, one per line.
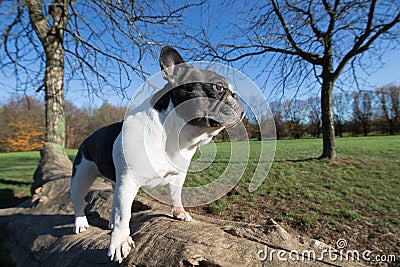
[39, 233]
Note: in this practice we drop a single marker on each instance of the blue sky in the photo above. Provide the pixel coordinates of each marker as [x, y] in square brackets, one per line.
[209, 16]
[389, 73]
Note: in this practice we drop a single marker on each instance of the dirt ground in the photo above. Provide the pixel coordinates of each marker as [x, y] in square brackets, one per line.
[363, 238]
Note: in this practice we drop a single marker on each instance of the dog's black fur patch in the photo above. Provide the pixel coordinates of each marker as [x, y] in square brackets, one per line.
[161, 99]
[98, 148]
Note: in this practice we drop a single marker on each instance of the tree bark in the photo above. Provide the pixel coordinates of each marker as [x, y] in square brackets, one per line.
[52, 38]
[328, 125]
[328, 80]
[54, 88]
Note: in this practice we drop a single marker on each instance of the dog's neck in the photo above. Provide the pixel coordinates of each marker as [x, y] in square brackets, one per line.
[182, 136]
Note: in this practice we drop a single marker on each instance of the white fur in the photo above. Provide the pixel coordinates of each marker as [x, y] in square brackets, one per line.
[85, 174]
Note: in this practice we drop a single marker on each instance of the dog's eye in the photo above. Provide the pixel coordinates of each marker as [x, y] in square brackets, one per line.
[218, 87]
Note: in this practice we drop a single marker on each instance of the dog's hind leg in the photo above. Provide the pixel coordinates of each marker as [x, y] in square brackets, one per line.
[84, 174]
[111, 220]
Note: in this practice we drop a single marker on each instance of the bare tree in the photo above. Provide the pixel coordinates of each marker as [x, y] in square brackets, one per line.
[314, 115]
[278, 113]
[389, 98]
[94, 44]
[340, 111]
[295, 115]
[303, 41]
[362, 110]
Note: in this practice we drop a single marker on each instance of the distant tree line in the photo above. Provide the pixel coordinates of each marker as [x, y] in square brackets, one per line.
[23, 124]
[355, 113]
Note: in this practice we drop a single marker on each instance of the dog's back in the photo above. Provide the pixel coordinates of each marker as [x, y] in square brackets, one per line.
[98, 149]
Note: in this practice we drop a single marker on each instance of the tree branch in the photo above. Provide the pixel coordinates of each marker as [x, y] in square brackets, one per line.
[39, 22]
[310, 57]
[310, 16]
[359, 47]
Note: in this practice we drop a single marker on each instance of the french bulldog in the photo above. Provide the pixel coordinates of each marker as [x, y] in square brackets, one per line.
[154, 144]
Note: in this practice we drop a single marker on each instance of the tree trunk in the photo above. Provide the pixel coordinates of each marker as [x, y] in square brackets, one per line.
[55, 113]
[391, 126]
[365, 128]
[50, 31]
[328, 129]
[54, 86]
[328, 124]
[339, 129]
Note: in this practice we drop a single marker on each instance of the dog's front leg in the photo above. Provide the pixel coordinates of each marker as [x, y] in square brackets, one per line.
[121, 241]
[175, 194]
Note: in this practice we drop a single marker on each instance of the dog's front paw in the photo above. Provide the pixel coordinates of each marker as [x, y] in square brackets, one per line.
[120, 245]
[81, 224]
[180, 214]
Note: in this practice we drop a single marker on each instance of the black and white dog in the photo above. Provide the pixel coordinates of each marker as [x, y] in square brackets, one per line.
[154, 144]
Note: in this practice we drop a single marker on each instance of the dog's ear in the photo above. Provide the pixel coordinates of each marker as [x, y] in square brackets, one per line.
[169, 59]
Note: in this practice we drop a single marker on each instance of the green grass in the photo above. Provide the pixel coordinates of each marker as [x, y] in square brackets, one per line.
[17, 169]
[361, 188]
[16, 173]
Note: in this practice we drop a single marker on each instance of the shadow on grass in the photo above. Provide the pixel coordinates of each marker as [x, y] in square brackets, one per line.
[298, 160]
[11, 182]
[8, 199]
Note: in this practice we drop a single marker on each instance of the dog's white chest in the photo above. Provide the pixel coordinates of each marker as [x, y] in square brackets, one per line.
[150, 151]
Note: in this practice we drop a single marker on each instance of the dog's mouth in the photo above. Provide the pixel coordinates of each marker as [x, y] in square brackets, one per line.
[216, 124]
[235, 122]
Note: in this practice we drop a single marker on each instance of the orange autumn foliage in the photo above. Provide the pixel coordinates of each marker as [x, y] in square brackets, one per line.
[25, 136]
[22, 125]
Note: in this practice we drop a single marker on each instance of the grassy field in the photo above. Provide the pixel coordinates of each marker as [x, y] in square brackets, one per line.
[356, 197]
[16, 175]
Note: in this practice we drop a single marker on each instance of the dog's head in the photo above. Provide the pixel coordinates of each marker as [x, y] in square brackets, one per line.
[201, 97]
